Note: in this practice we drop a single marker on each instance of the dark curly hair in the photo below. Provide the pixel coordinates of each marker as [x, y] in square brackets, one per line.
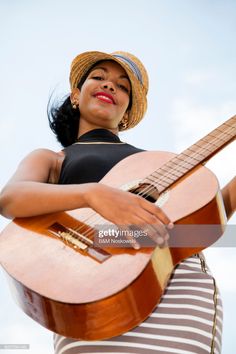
[64, 120]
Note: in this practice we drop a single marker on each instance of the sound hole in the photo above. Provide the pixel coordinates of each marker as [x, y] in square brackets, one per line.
[147, 191]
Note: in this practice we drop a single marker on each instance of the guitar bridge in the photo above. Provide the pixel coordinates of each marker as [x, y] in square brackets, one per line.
[79, 242]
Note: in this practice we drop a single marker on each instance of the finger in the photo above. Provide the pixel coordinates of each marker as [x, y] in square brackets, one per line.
[150, 224]
[158, 212]
[160, 240]
[153, 223]
[167, 236]
[156, 233]
[128, 234]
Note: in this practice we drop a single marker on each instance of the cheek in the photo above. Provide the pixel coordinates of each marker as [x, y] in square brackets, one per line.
[126, 101]
[84, 95]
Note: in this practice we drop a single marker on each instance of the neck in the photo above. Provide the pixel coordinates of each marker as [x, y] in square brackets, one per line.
[85, 127]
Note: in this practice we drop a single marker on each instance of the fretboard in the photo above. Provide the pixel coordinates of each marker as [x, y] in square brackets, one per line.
[196, 154]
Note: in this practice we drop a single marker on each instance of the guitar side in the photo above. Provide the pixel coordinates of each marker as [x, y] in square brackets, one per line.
[70, 293]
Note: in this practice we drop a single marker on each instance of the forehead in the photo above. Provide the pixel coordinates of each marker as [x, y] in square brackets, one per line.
[110, 65]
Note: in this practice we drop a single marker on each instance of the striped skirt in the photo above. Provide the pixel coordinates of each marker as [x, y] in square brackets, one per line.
[188, 320]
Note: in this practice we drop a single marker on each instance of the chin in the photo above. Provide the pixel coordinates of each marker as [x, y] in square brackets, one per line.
[107, 121]
[108, 125]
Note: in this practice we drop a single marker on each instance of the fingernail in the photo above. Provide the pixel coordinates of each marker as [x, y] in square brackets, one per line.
[137, 246]
[159, 240]
[166, 237]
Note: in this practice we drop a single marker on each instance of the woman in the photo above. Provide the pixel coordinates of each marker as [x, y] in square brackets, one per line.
[108, 94]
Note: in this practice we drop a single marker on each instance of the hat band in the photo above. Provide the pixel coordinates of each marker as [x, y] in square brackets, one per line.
[132, 66]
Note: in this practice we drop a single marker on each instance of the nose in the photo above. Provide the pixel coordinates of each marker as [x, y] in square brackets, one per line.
[108, 85]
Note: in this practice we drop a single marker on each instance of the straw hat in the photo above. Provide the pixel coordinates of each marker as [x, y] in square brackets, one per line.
[135, 71]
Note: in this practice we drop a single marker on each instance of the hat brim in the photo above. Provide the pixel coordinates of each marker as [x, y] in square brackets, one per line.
[83, 62]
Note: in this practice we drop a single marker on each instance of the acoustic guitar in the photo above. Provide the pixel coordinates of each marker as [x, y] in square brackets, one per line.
[80, 288]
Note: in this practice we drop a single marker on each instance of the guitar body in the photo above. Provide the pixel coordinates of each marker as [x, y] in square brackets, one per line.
[71, 293]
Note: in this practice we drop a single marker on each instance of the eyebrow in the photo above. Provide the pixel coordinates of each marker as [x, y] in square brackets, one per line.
[105, 69]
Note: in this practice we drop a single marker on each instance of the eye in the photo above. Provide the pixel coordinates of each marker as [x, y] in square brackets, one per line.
[124, 88]
[97, 77]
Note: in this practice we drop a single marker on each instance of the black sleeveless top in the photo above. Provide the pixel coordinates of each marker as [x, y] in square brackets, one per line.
[95, 153]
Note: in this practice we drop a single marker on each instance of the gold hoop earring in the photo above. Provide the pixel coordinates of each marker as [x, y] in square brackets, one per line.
[124, 122]
[75, 105]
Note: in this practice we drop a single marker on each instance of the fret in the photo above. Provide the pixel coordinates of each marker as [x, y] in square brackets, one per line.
[195, 149]
[150, 179]
[222, 138]
[207, 142]
[224, 130]
[170, 170]
[228, 126]
[159, 180]
[219, 131]
[163, 185]
[190, 156]
[166, 168]
[175, 171]
[176, 162]
[182, 158]
[166, 176]
[157, 184]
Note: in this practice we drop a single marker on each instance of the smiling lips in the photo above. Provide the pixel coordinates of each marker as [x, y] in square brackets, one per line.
[105, 97]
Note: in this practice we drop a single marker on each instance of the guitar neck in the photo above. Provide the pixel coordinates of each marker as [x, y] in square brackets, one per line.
[196, 154]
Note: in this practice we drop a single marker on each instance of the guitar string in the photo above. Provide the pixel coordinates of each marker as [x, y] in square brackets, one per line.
[90, 231]
[195, 153]
[146, 190]
[182, 163]
[149, 188]
[91, 218]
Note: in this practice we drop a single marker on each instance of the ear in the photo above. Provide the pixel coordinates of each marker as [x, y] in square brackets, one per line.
[126, 116]
[74, 97]
[124, 121]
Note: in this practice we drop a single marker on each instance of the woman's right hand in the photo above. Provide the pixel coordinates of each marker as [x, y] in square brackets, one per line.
[127, 209]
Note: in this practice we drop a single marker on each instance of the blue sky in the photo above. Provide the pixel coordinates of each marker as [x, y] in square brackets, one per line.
[188, 47]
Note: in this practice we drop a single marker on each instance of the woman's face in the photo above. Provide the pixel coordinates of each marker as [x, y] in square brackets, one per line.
[104, 97]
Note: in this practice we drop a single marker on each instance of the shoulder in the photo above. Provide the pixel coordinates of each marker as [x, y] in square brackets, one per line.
[53, 160]
[40, 165]
[42, 156]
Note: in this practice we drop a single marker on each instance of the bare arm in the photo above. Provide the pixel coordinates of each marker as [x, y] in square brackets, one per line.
[229, 197]
[28, 193]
